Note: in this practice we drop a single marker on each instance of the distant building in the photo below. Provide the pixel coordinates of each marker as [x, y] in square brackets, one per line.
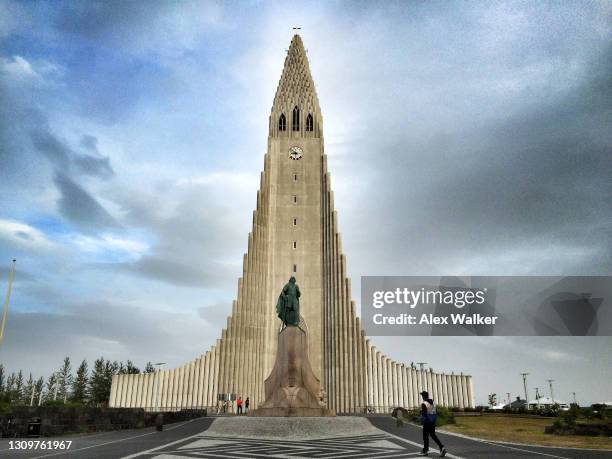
[498, 407]
[518, 404]
[547, 403]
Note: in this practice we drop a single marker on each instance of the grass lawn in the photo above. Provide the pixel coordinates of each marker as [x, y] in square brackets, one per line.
[521, 430]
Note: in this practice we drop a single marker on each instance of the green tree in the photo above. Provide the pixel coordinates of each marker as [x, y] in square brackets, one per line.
[130, 369]
[39, 387]
[9, 389]
[18, 392]
[50, 387]
[149, 368]
[2, 380]
[79, 385]
[65, 378]
[27, 391]
[100, 380]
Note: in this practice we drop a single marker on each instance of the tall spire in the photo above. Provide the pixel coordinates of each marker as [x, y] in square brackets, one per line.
[296, 86]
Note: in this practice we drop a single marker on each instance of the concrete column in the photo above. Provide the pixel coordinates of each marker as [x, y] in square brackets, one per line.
[135, 390]
[389, 387]
[145, 389]
[460, 391]
[160, 398]
[196, 397]
[438, 391]
[120, 391]
[444, 391]
[142, 400]
[151, 393]
[119, 402]
[174, 388]
[402, 385]
[369, 385]
[203, 380]
[415, 386]
[191, 384]
[384, 386]
[113, 394]
[376, 377]
[215, 375]
[408, 392]
[130, 385]
[466, 395]
[472, 395]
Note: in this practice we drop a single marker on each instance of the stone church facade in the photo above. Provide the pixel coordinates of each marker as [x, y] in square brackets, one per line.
[295, 233]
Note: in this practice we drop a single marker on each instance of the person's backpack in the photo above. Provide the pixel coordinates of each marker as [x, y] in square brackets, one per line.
[431, 415]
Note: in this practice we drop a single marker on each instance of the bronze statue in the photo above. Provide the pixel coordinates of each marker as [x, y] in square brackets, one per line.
[288, 304]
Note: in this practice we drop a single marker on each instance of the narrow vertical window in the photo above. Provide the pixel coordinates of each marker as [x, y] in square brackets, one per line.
[309, 123]
[295, 177]
[296, 119]
[295, 222]
[295, 199]
[295, 268]
[295, 244]
[282, 123]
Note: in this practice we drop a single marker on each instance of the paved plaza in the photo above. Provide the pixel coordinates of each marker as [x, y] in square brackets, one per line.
[288, 438]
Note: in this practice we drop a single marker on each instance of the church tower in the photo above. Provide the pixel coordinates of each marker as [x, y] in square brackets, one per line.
[294, 233]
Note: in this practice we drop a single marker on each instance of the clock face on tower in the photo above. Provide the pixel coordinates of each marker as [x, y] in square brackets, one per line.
[295, 153]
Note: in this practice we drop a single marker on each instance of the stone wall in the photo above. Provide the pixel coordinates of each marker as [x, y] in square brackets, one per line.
[59, 420]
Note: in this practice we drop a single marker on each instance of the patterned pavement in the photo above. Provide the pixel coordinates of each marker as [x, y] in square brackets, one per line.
[363, 446]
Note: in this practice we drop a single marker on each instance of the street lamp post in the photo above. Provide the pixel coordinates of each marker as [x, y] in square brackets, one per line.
[524, 375]
[552, 397]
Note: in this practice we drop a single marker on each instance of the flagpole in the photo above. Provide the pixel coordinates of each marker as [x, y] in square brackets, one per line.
[6, 300]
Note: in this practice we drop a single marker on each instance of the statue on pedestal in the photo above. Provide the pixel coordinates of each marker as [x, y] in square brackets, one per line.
[292, 389]
[288, 304]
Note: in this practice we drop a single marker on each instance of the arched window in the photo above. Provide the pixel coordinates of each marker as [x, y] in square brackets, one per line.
[282, 123]
[296, 119]
[309, 123]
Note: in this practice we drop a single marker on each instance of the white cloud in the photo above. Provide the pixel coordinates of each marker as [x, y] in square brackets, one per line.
[560, 356]
[20, 71]
[24, 236]
[18, 68]
[109, 244]
[237, 181]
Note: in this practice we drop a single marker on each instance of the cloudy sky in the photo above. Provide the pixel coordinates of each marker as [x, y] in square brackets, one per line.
[463, 139]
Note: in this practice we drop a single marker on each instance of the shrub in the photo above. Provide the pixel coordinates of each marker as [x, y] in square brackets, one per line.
[445, 416]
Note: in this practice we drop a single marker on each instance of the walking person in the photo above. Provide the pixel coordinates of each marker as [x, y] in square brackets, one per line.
[239, 404]
[428, 417]
[246, 405]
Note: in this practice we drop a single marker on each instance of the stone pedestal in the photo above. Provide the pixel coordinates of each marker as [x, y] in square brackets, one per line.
[292, 389]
